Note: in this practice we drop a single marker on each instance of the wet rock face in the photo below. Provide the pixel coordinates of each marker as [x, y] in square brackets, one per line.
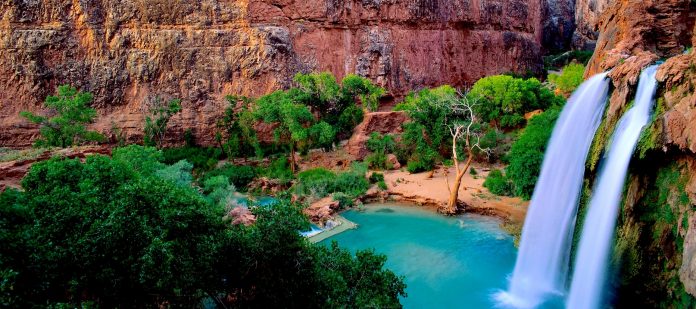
[558, 18]
[129, 51]
[633, 35]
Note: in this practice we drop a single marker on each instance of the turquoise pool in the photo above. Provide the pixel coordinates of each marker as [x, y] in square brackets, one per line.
[449, 262]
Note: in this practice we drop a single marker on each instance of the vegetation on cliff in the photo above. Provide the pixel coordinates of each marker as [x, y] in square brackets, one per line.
[71, 113]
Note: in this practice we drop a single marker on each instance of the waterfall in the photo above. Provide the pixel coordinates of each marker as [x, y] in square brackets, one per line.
[543, 258]
[589, 274]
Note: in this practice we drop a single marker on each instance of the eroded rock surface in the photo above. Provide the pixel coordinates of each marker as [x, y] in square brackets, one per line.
[129, 51]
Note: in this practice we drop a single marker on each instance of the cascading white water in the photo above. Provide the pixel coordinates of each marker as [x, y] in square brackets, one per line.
[543, 258]
[589, 275]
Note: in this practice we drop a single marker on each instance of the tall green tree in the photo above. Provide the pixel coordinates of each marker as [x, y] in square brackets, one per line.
[295, 123]
[67, 127]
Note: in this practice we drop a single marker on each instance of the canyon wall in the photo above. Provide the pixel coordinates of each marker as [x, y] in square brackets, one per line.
[655, 244]
[128, 52]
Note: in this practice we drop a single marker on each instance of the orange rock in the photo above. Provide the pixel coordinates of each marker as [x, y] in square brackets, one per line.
[126, 53]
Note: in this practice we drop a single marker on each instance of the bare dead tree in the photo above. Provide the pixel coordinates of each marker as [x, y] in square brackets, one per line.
[463, 128]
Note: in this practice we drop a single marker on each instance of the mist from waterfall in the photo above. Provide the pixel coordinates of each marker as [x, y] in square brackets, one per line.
[591, 264]
[542, 262]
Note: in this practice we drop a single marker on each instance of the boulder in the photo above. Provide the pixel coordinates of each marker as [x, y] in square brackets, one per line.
[322, 210]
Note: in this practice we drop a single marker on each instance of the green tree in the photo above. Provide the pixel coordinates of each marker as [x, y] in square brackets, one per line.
[236, 135]
[504, 99]
[425, 137]
[108, 233]
[356, 87]
[527, 153]
[295, 124]
[67, 127]
[156, 123]
[570, 78]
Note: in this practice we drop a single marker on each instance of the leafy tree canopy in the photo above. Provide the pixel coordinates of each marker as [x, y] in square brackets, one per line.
[117, 233]
[504, 99]
[71, 113]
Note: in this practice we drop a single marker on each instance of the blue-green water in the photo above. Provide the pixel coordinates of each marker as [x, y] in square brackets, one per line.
[449, 262]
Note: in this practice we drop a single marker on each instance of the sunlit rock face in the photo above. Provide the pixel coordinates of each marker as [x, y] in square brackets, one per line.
[633, 35]
[128, 51]
[587, 17]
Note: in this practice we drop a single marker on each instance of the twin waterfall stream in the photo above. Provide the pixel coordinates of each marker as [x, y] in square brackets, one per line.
[540, 278]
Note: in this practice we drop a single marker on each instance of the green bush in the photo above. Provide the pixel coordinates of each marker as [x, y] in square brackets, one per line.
[527, 153]
[498, 184]
[505, 100]
[344, 200]
[178, 173]
[279, 169]
[570, 78]
[202, 158]
[472, 171]
[321, 182]
[376, 177]
[382, 185]
[238, 175]
[380, 145]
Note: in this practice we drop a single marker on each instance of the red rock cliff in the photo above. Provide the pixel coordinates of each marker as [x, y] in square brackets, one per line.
[633, 35]
[128, 51]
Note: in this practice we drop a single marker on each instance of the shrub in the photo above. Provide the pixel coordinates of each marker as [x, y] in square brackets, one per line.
[376, 177]
[570, 78]
[67, 127]
[202, 158]
[279, 169]
[527, 153]
[382, 185]
[498, 184]
[321, 182]
[472, 171]
[179, 173]
[344, 200]
[219, 190]
[238, 175]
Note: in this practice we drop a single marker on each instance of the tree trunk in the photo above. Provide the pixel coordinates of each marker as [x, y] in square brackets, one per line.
[454, 194]
[292, 158]
[454, 191]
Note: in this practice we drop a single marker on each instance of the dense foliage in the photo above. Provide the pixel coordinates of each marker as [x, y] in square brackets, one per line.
[320, 182]
[504, 100]
[71, 113]
[569, 79]
[498, 184]
[127, 232]
[525, 157]
[380, 146]
[426, 136]
[236, 135]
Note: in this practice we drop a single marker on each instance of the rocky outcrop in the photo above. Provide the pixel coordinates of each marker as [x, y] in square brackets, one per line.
[380, 122]
[322, 210]
[127, 52]
[587, 17]
[658, 215]
[558, 19]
